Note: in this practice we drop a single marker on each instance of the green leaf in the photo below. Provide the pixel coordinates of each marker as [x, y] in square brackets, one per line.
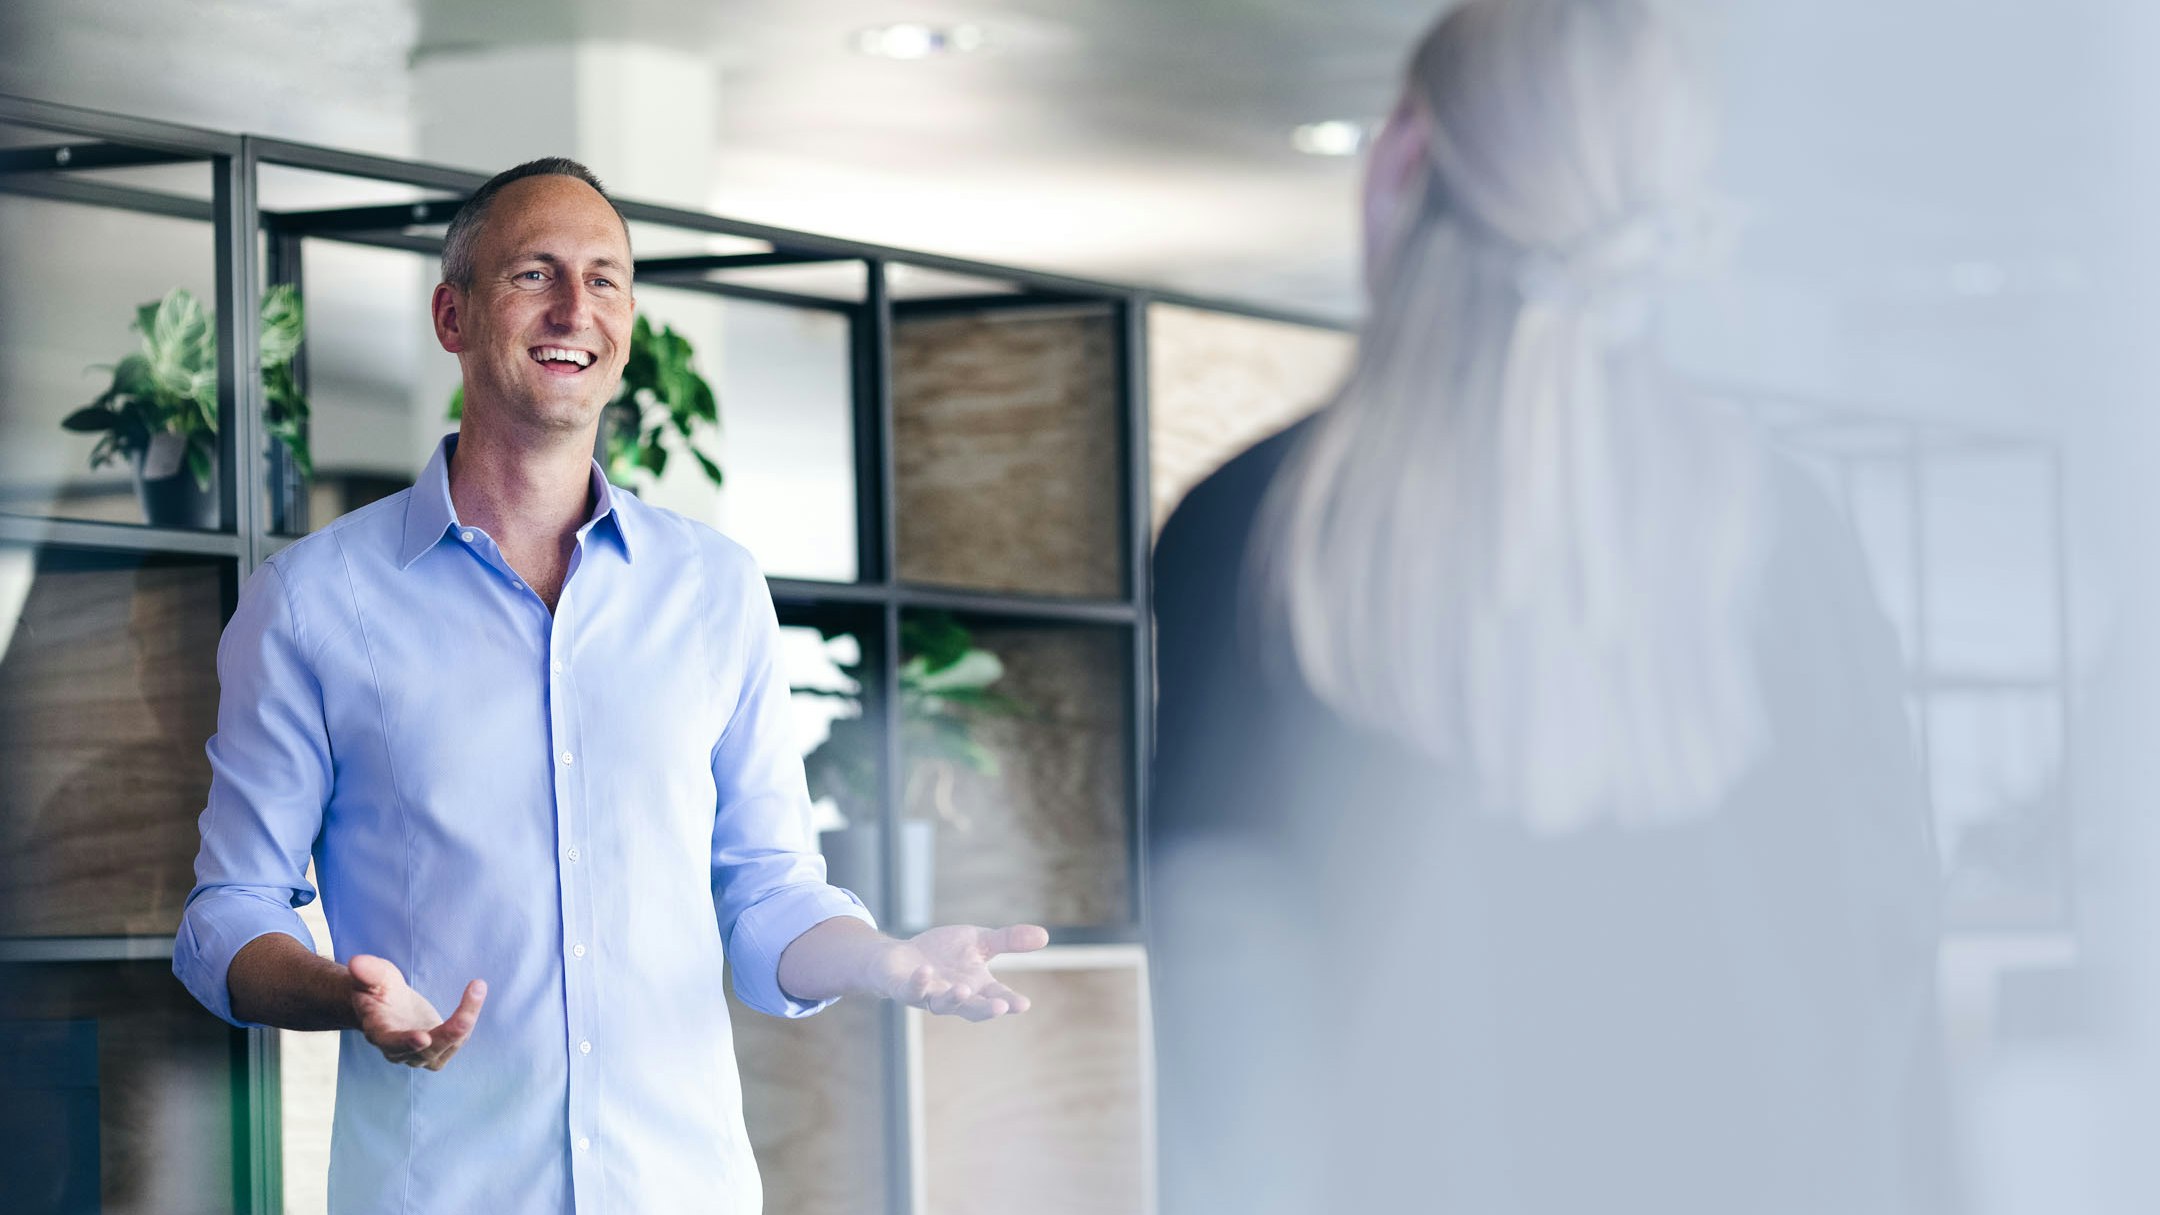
[199, 462]
[656, 376]
[287, 434]
[132, 377]
[979, 757]
[282, 398]
[457, 403]
[936, 638]
[90, 419]
[181, 345]
[973, 670]
[283, 326]
[712, 470]
[175, 375]
[134, 421]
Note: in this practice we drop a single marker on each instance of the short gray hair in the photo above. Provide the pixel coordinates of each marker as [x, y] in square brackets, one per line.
[457, 253]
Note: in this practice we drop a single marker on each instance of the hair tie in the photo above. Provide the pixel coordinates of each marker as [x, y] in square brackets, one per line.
[1609, 274]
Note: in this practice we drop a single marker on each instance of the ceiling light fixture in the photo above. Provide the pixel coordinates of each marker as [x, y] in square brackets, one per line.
[1335, 137]
[912, 41]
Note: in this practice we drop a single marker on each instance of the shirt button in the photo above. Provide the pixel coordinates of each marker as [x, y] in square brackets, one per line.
[566, 757]
[466, 536]
[573, 854]
[577, 951]
[583, 1143]
[584, 1048]
[556, 666]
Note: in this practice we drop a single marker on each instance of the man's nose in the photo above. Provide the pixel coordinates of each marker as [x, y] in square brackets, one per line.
[570, 305]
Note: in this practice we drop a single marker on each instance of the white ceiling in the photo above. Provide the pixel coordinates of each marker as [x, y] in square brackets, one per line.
[1922, 177]
[1139, 140]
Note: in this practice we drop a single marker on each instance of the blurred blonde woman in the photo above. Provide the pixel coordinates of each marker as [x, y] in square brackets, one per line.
[1534, 828]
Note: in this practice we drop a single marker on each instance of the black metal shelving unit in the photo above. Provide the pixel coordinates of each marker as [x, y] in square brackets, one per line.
[262, 501]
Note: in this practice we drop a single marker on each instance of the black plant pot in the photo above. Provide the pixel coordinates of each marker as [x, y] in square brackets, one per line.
[167, 489]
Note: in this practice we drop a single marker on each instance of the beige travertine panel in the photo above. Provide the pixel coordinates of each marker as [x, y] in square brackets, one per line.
[813, 1097]
[1042, 840]
[1218, 383]
[75, 276]
[108, 691]
[1005, 451]
[1041, 1112]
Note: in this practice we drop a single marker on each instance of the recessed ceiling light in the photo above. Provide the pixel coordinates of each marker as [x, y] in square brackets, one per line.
[912, 41]
[1335, 137]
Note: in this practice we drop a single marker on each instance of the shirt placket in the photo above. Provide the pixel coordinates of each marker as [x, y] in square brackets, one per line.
[574, 881]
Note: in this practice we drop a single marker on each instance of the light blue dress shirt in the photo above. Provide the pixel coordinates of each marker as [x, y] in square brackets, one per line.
[588, 809]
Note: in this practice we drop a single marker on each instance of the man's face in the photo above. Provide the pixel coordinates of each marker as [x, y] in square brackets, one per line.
[544, 329]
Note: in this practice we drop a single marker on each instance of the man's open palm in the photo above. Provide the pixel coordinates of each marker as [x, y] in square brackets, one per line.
[947, 970]
[400, 1022]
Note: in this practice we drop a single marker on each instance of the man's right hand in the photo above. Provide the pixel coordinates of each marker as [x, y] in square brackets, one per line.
[401, 1023]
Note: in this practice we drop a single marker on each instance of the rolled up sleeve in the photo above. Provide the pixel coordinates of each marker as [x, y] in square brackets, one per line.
[768, 877]
[270, 775]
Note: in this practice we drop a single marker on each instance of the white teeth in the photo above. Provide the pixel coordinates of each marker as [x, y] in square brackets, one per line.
[558, 354]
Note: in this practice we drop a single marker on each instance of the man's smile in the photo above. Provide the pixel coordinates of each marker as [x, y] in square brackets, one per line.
[561, 360]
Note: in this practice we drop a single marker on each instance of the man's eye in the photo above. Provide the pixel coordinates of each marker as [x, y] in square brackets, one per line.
[603, 282]
[534, 274]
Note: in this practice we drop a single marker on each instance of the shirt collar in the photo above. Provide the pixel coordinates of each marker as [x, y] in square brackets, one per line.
[430, 515]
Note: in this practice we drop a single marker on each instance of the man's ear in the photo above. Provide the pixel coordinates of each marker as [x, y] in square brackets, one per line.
[449, 328]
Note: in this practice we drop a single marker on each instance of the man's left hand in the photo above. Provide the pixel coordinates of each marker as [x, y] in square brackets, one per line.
[947, 970]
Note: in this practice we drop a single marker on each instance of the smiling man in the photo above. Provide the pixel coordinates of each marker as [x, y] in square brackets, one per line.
[533, 733]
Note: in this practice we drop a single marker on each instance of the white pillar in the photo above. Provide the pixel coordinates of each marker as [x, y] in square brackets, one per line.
[644, 118]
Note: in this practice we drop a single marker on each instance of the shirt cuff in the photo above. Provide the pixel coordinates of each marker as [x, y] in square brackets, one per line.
[216, 928]
[767, 927]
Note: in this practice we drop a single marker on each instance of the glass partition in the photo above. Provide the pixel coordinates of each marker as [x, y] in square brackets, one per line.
[377, 385]
[783, 446]
[1016, 746]
[828, 655]
[102, 296]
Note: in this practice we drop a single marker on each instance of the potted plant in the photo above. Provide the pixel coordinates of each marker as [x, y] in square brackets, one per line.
[945, 691]
[161, 411]
[660, 391]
